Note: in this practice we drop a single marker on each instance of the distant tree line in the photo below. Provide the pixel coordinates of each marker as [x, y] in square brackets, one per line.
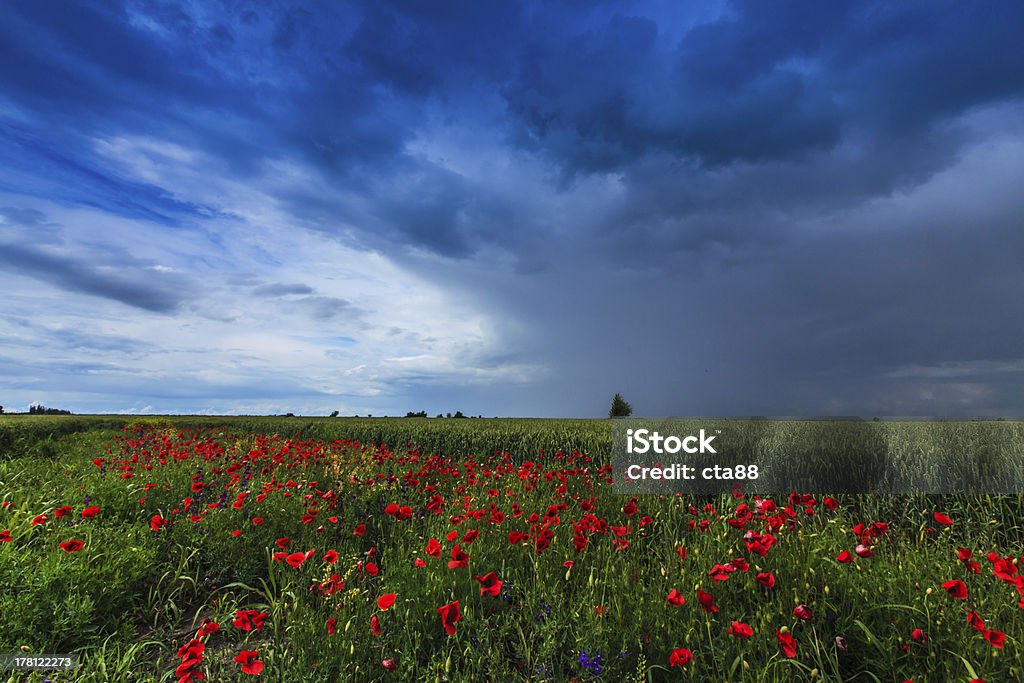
[415, 413]
[457, 414]
[43, 410]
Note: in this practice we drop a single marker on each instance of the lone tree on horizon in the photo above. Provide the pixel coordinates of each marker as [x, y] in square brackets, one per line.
[620, 407]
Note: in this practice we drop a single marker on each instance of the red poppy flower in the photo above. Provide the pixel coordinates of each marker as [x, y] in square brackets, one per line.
[156, 522]
[191, 653]
[433, 548]
[459, 559]
[830, 503]
[845, 557]
[359, 530]
[387, 600]
[707, 601]
[680, 657]
[208, 628]
[63, 511]
[331, 556]
[250, 665]
[942, 519]
[720, 572]
[918, 635]
[453, 535]
[449, 615]
[975, 621]
[375, 625]
[802, 612]
[997, 638]
[956, 589]
[517, 537]
[740, 630]
[257, 520]
[567, 564]
[579, 542]
[296, 559]
[470, 536]
[72, 546]
[38, 519]
[419, 563]
[5, 536]
[257, 618]
[766, 579]
[332, 626]
[249, 619]
[786, 644]
[964, 554]
[863, 551]
[389, 664]
[283, 543]
[675, 598]
[490, 584]
[1004, 569]
[543, 540]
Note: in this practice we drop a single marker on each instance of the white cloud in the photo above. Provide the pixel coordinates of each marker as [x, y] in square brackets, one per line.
[224, 343]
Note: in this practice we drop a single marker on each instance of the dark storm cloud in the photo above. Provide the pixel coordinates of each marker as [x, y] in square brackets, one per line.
[599, 90]
[764, 82]
[722, 170]
[75, 275]
[837, 319]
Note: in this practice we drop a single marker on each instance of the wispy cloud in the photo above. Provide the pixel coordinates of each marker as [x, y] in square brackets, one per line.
[69, 273]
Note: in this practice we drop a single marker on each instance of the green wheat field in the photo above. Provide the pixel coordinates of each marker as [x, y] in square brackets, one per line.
[407, 549]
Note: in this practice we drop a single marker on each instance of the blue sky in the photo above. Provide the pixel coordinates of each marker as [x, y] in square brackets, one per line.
[520, 208]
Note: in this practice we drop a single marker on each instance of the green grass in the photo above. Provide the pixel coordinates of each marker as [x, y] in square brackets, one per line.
[132, 596]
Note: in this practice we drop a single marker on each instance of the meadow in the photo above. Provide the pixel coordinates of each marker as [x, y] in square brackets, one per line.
[317, 549]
